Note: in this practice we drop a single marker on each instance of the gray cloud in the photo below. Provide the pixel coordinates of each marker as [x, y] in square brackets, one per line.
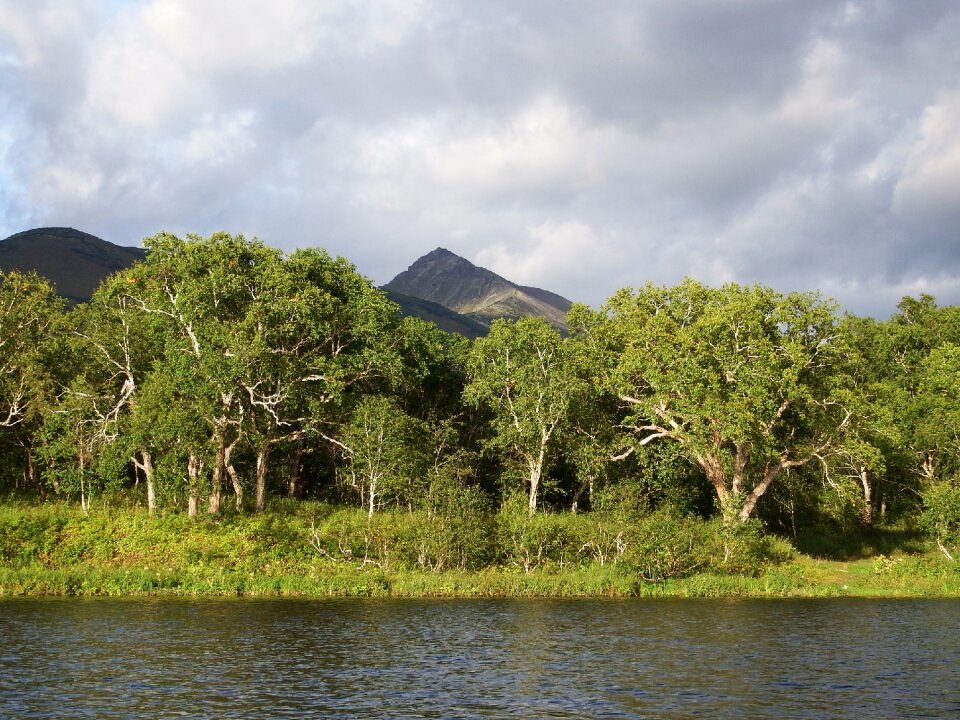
[577, 146]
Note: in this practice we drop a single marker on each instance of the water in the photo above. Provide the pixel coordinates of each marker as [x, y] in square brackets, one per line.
[71, 658]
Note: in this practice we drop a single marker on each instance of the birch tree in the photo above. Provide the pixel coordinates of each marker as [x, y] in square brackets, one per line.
[520, 371]
[314, 330]
[739, 377]
[383, 452]
[199, 289]
[29, 313]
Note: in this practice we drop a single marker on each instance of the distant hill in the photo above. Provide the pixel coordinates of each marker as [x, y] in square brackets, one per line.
[74, 261]
[457, 284]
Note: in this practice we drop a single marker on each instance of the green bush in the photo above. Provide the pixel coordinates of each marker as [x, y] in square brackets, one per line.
[664, 544]
[530, 543]
[30, 535]
[941, 515]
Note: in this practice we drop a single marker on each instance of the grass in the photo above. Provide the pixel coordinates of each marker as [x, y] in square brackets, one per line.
[313, 550]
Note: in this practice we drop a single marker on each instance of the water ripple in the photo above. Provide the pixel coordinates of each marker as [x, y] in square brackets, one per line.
[72, 658]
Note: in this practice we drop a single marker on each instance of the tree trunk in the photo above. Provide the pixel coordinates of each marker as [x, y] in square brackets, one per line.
[750, 502]
[194, 467]
[294, 490]
[84, 501]
[263, 462]
[145, 465]
[216, 484]
[33, 476]
[232, 473]
[585, 485]
[151, 487]
[536, 468]
[769, 475]
[713, 469]
[866, 514]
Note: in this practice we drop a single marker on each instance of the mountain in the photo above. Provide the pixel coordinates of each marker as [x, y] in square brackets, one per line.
[440, 287]
[442, 317]
[74, 261]
[457, 284]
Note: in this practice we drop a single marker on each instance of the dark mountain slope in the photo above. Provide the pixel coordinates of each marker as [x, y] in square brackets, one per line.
[436, 313]
[74, 261]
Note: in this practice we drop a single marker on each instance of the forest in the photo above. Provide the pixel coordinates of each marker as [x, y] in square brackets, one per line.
[674, 429]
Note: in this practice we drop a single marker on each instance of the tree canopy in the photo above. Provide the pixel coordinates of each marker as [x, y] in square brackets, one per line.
[219, 367]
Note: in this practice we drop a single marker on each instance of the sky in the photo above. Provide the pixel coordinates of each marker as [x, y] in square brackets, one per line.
[578, 146]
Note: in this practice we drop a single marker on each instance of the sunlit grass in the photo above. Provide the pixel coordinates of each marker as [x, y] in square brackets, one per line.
[315, 550]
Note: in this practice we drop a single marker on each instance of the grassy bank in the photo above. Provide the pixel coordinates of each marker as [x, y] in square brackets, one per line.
[318, 550]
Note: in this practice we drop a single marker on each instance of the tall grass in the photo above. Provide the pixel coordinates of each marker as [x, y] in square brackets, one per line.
[315, 549]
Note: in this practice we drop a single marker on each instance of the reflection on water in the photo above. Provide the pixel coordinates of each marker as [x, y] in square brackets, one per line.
[72, 658]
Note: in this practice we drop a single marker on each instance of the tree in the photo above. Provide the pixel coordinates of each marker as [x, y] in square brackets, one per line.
[869, 445]
[314, 330]
[739, 377]
[922, 364]
[261, 347]
[937, 423]
[520, 370]
[170, 422]
[201, 290]
[115, 347]
[29, 312]
[383, 449]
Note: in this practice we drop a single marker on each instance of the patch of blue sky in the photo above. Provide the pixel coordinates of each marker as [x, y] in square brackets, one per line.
[8, 59]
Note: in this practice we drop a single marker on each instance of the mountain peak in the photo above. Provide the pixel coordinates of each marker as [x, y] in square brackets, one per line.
[444, 277]
[443, 258]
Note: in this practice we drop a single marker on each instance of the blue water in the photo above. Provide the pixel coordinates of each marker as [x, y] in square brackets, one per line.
[243, 658]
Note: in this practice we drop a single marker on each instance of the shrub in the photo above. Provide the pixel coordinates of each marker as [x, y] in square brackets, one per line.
[665, 544]
[941, 515]
[529, 543]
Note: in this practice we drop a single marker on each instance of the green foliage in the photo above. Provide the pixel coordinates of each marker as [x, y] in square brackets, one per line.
[219, 364]
[314, 549]
[520, 370]
[30, 366]
[384, 452]
[941, 515]
[739, 377]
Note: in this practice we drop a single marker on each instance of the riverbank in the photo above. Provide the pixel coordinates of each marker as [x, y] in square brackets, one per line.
[325, 552]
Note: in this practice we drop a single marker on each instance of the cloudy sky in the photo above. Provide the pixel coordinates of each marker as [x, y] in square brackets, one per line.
[578, 146]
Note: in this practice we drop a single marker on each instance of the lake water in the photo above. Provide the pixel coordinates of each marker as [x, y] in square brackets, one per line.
[245, 658]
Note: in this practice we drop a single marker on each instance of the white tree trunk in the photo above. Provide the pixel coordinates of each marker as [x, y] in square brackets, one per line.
[866, 514]
[232, 473]
[263, 463]
[145, 464]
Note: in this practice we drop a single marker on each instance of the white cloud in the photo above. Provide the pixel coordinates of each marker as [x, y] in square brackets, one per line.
[570, 146]
[542, 148]
[217, 140]
[930, 183]
[38, 28]
[171, 56]
[555, 254]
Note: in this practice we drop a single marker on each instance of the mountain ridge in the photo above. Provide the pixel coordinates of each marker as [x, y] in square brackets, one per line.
[444, 277]
[74, 261]
[440, 287]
